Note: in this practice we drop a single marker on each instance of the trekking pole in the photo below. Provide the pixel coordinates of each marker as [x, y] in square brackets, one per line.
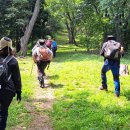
[31, 69]
[48, 65]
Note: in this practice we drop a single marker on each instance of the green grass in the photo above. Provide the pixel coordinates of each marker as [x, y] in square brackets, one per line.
[79, 105]
[18, 113]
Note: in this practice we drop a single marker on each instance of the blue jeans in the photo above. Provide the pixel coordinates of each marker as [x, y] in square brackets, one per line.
[114, 66]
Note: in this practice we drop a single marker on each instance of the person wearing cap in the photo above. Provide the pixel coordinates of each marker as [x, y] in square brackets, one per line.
[13, 86]
[41, 62]
[111, 64]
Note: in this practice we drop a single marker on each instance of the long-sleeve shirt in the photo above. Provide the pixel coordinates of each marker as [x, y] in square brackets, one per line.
[14, 85]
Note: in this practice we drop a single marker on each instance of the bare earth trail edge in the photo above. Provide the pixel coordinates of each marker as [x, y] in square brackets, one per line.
[40, 104]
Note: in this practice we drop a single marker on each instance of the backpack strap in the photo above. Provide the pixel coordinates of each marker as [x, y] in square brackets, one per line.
[7, 59]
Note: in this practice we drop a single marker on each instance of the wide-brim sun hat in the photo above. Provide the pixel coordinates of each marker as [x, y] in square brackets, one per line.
[6, 42]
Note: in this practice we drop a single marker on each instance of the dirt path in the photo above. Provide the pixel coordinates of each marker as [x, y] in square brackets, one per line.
[42, 102]
[38, 107]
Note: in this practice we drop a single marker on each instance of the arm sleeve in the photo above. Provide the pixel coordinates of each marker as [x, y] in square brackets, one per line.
[35, 54]
[16, 77]
[102, 50]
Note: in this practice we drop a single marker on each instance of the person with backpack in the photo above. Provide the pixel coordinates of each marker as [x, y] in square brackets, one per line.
[10, 79]
[112, 51]
[42, 56]
[54, 47]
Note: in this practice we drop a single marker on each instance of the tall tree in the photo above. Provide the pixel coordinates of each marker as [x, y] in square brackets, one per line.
[65, 11]
[24, 39]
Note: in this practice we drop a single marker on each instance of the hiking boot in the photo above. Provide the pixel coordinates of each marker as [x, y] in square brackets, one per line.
[41, 81]
[42, 86]
[117, 95]
[103, 88]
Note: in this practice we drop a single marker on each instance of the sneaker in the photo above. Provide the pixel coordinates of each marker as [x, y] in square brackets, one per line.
[103, 88]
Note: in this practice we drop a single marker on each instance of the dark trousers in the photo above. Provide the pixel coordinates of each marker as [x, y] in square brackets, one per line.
[41, 67]
[54, 49]
[114, 66]
[5, 100]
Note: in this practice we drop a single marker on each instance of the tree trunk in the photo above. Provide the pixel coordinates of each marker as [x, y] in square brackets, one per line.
[71, 35]
[24, 39]
[70, 29]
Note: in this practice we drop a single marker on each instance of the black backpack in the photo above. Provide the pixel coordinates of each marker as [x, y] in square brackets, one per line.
[4, 77]
[112, 50]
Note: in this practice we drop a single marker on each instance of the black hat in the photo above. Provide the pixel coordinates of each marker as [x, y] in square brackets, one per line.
[111, 37]
[41, 41]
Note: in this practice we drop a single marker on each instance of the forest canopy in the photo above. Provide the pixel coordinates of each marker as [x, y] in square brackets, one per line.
[86, 22]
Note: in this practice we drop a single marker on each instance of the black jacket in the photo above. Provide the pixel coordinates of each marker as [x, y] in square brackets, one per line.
[14, 85]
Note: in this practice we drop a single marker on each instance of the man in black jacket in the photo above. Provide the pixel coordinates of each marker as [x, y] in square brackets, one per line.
[11, 86]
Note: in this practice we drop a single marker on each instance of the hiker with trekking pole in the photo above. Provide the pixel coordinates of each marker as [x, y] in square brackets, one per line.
[42, 56]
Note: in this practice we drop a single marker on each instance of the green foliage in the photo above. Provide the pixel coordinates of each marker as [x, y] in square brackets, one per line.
[15, 16]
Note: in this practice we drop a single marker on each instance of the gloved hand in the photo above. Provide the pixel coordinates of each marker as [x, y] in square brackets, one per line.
[18, 96]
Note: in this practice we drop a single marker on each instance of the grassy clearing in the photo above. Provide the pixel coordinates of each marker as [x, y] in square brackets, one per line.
[79, 104]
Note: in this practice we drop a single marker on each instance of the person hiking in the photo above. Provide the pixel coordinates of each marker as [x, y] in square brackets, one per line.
[42, 56]
[54, 47]
[112, 51]
[10, 79]
[49, 43]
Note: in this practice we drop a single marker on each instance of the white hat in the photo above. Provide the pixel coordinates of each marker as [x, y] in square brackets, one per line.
[4, 42]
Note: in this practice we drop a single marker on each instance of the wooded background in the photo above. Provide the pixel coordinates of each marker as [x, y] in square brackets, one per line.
[87, 22]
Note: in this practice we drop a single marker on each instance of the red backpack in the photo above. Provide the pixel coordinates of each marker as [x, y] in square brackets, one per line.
[43, 54]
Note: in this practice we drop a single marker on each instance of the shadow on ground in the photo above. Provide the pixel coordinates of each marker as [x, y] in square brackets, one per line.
[53, 77]
[56, 85]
